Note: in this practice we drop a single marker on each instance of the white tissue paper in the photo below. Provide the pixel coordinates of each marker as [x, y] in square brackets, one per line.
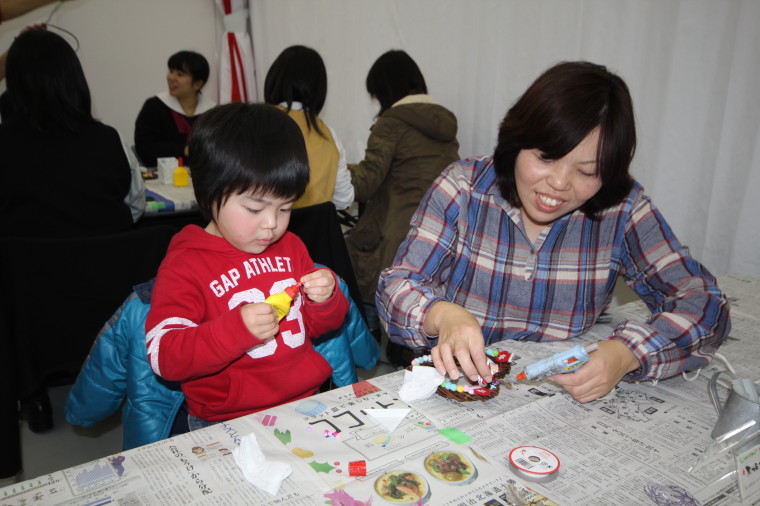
[263, 474]
[419, 383]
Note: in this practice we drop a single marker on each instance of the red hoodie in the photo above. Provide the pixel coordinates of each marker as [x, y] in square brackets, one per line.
[196, 335]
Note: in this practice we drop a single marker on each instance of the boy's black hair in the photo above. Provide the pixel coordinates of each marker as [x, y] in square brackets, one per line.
[46, 84]
[298, 75]
[239, 148]
[563, 106]
[191, 62]
[393, 76]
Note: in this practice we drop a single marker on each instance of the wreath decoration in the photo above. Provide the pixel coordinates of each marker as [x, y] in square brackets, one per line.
[464, 390]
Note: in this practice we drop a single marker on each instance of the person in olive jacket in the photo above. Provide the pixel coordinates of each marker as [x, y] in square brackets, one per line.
[411, 142]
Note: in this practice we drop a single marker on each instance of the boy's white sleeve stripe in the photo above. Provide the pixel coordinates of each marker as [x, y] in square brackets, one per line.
[153, 338]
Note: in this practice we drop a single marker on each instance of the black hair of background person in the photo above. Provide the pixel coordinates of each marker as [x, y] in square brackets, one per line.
[190, 62]
[393, 76]
[46, 85]
[298, 74]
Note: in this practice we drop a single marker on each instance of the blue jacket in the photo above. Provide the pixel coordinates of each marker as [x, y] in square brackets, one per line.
[117, 369]
[350, 346]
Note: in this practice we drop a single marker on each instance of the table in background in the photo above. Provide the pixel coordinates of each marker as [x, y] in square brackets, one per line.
[167, 198]
[609, 449]
[167, 204]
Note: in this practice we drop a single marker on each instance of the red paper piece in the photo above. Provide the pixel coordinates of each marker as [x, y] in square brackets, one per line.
[363, 388]
[357, 468]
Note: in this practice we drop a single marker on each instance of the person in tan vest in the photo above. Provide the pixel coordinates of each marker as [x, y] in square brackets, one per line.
[297, 82]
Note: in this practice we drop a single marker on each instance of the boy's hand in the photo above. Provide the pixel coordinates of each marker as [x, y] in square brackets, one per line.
[319, 285]
[261, 320]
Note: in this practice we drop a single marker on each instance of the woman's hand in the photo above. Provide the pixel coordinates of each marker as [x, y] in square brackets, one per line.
[261, 320]
[460, 336]
[605, 368]
[319, 285]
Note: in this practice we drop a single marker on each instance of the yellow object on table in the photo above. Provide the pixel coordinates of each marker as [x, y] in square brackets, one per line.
[181, 175]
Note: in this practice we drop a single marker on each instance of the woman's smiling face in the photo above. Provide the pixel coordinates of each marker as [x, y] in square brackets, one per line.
[181, 83]
[549, 189]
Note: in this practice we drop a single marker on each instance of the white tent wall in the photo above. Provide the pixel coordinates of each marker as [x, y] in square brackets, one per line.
[693, 67]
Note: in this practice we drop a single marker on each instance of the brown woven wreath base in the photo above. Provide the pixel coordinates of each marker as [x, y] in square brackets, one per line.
[465, 397]
[493, 390]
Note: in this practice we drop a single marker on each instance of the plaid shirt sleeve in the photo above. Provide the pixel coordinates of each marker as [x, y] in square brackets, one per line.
[690, 315]
[413, 283]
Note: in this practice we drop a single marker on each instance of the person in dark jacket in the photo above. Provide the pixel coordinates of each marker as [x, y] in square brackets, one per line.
[163, 126]
[412, 141]
[66, 174]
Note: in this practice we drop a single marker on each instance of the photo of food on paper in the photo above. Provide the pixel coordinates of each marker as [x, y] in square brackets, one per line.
[451, 467]
[402, 487]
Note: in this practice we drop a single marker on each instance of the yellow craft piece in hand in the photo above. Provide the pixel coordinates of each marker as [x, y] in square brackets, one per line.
[282, 301]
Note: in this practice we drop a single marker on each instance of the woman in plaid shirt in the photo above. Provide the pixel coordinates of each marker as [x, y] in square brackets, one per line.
[528, 243]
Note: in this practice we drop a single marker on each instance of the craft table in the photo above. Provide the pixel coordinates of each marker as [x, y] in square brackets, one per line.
[611, 451]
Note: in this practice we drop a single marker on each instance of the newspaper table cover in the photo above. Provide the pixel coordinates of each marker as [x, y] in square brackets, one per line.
[609, 450]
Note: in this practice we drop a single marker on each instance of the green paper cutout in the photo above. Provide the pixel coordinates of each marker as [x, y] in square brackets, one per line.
[455, 435]
[321, 467]
[284, 437]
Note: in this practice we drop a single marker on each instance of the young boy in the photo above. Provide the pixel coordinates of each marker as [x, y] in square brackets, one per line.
[209, 326]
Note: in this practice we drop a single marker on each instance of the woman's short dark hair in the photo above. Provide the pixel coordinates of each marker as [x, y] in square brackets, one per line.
[46, 83]
[393, 76]
[240, 147]
[556, 113]
[191, 62]
[298, 75]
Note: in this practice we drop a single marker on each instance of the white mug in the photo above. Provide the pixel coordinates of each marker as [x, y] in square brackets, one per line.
[166, 168]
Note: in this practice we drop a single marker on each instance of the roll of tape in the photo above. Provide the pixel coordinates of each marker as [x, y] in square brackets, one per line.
[534, 463]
